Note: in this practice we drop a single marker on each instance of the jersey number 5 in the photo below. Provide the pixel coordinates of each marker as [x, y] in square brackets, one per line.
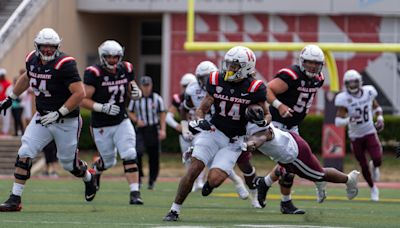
[304, 101]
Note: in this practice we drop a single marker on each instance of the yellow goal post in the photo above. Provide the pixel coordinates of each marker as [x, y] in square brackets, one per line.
[328, 48]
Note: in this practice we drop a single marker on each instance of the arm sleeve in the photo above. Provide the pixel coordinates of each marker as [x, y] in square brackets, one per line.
[89, 78]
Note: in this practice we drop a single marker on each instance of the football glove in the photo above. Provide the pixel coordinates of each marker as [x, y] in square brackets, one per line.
[110, 109]
[50, 118]
[136, 93]
[196, 126]
[5, 104]
[380, 123]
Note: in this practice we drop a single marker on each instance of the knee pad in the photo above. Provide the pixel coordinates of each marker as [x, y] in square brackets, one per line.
[129, 162]
[286, 180]
[79, 168]
[27, 165]
[99, 164]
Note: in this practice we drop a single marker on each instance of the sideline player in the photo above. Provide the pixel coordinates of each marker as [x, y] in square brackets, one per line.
[59, 90]
[293, 153]
[218, 144]
[356, 106]
[107, 87]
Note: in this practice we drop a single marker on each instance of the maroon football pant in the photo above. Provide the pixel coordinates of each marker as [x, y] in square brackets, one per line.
[367, 144]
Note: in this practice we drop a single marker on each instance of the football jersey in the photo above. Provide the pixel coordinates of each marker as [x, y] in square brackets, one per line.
[281, 148]
[299, 96]
[110, 88]
[50, 82]
[361, 108]
[195, 94]
[231, 100]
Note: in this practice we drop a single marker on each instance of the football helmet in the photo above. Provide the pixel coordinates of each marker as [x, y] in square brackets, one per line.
[47, 36]
[239, 62]
[187, 79]
[311, 53]
[110, 48]
[352, 81]
[203, 71]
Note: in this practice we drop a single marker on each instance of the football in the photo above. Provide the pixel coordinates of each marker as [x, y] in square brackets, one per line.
[254, 113]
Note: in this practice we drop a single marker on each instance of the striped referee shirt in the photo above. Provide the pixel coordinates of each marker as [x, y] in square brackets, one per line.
[148, 108]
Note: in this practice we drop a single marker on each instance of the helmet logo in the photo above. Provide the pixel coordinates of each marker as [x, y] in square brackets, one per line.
[250, 56]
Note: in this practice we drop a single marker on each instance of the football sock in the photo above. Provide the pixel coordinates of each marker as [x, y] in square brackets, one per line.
[17, 189]
[285, 198]
[87, 177]
[134, 187]
[268, 180]
[176, 207]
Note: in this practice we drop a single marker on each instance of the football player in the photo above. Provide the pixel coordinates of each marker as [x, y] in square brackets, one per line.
[291, 94]
[59, 90]
[108, 86]
[356, 108]
[293, 153]
[194, 94]
[218, 144]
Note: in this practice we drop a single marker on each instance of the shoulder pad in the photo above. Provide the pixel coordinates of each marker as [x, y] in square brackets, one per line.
[214, 78]
[128, 66]
[289, 72]
[63, 60]
[29, 56]
[254, 85]
[94, 70]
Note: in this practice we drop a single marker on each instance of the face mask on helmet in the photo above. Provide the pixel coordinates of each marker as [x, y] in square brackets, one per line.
[47, 43]
[203, 71]
[111, 54]
[352, 81]
[311, 60]
[239, 62]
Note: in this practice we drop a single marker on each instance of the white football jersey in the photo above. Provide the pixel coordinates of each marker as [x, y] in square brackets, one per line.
[196, 94]
[282, 148]
[359, 108]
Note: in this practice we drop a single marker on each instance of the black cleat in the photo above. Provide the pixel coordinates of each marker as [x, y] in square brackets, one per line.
[12, 204]
[97, 177]
[171, 216]
[90, 187]
[288, 208]
[135, 198]
[207, 189]
[262, 190]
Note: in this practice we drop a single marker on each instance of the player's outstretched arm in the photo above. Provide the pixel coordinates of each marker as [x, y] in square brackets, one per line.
[204, 107]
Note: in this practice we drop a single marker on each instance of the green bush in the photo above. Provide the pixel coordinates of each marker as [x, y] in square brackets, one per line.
[86, 141]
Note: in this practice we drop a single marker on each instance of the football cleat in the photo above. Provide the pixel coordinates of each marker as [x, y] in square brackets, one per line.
[262, 190]
[12, 204]
[375, 173]
[352, 189]
[171, 216]
[321, 191]
[206, 190]
[289, 208]
[375, 193]
[254, 200]
[198, 184]
[90, 187]
[135, 198]
[97, 178]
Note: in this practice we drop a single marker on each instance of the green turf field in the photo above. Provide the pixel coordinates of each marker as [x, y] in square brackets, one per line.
[60, 203]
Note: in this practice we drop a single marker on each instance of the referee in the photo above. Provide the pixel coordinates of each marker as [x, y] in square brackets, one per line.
[148, 113]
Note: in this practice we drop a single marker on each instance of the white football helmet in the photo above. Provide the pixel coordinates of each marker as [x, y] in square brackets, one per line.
[239, 62]
[352, 81]
[187, 79]
[203, 71]
[47, 36]
[311, 53]
[113, 48]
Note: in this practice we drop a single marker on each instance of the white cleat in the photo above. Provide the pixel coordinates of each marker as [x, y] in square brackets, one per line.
[352, 189]
[253, 197]
[242, 191]
[375, 173]
[375, 193]
[321, 191]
